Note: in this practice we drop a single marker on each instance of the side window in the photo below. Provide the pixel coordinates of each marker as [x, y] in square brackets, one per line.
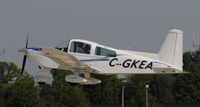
[105, 52]
[80, 47]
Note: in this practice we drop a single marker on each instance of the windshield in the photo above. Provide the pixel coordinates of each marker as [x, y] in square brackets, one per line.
[63, 46]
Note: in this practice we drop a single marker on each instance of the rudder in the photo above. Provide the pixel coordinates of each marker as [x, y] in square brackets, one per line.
[171, 51]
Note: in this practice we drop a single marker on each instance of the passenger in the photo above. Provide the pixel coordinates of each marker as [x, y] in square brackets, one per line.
[87, 49]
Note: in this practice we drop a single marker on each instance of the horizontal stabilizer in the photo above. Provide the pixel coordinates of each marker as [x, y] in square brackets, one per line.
[167, 70]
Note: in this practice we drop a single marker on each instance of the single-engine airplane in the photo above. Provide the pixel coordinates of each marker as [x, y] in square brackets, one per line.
[86, 57]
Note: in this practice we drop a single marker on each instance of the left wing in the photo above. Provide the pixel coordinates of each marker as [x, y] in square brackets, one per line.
[65, 60]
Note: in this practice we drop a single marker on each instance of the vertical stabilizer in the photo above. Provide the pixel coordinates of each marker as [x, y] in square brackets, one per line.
[171, 51]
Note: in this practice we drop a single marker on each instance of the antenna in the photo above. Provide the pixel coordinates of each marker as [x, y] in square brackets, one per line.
[194, 44]
[130, 45]
[3, 52]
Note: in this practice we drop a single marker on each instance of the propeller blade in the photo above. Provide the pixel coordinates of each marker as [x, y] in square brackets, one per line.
[25, 56]
[27, 40]
[24, 63]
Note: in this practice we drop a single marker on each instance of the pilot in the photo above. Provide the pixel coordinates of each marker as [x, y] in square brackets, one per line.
[80, 48]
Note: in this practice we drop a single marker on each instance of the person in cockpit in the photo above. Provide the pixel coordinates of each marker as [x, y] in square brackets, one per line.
[80, 48]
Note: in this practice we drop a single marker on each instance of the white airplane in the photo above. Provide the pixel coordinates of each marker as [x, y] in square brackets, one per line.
[86, 57]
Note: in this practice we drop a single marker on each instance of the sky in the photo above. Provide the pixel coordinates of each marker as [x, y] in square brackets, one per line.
[139, 25]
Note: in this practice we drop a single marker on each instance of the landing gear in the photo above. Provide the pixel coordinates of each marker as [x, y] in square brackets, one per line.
[75, 78]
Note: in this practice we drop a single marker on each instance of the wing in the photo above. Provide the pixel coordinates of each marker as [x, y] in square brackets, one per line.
[65, 60]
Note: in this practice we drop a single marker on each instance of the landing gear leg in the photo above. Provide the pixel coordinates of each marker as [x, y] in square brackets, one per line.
[87, 75]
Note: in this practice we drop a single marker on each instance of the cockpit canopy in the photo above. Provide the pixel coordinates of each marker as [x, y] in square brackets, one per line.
[87, 47]
[80, 47]
[104, 52]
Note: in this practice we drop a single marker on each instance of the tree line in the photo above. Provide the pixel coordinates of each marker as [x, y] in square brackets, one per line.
[17, 90]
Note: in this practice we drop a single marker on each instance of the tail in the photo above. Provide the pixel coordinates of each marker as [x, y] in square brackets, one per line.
[171, 51]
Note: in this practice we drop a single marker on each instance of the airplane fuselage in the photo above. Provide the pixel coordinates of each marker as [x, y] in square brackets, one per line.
[123, 64]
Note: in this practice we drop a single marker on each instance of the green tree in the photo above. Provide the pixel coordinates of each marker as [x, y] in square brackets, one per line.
[187, 86]
[63, 94]
[162, 86]
[47, 96]
[16, 90]
[73, 96]
[8, 72]
[23, 93]
[3, 90]
[107, 92]
[135, 91]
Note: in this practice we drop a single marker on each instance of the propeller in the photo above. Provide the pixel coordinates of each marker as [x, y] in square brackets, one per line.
[25, 56]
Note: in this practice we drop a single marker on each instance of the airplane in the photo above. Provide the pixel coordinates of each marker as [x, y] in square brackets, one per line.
[86, 57]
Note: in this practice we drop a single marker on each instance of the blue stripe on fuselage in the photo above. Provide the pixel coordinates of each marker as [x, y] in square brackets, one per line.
[160, 63]
[88, 60]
